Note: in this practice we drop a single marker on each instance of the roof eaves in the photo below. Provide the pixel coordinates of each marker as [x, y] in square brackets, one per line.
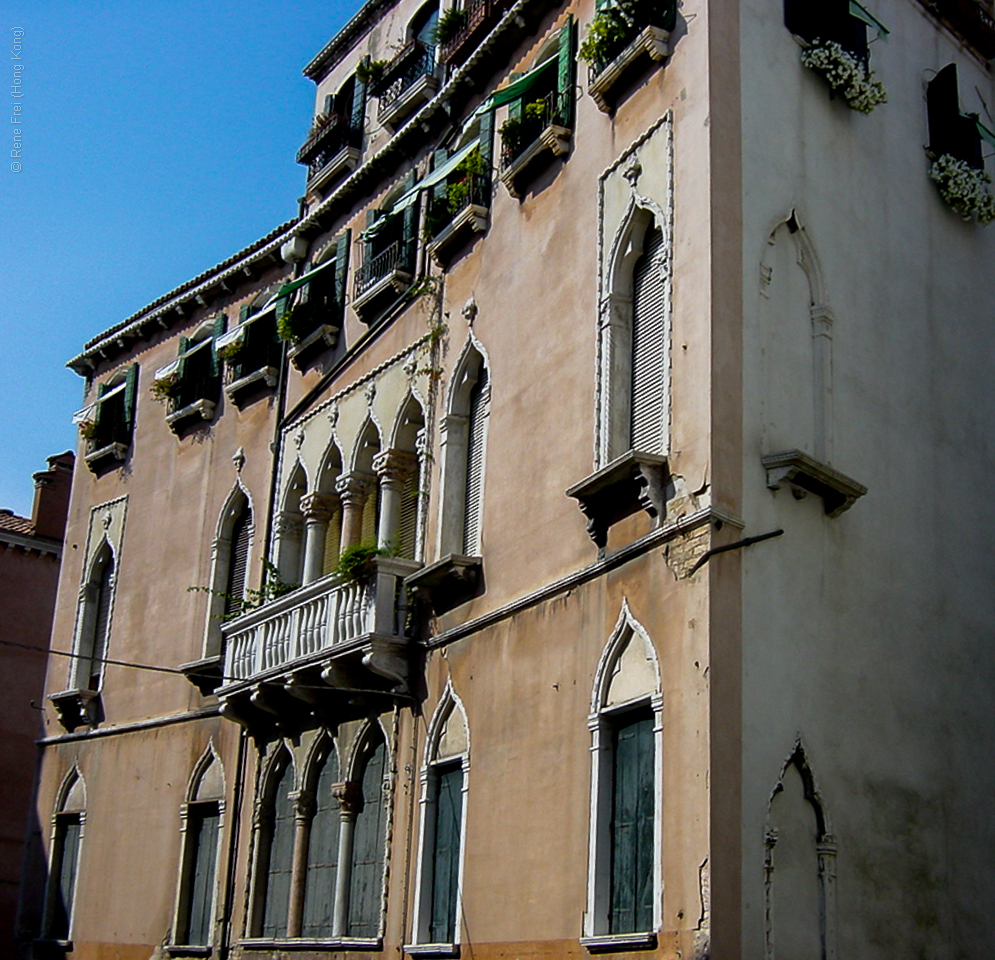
[187, 291]
[336, 48]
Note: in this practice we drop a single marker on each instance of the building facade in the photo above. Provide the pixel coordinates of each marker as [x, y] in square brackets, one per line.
[569, 535]
[29, 577]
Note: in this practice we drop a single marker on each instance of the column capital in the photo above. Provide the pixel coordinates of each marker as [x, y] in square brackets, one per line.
[349, 794]
[395, 466]
[319, 507]
[354, 487]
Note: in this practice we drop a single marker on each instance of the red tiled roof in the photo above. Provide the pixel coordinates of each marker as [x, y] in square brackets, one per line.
[22, 525]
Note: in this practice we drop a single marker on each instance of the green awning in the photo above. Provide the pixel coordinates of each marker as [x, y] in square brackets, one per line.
[518, 89]
[300, 281]
[862, 13]
[984, 132]
[448, 167]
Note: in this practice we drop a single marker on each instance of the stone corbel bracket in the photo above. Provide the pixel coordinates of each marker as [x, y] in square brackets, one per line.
[652, 41]
[804, 474]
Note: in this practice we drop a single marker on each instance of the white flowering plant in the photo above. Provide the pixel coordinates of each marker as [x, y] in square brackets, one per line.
[964, 188]
[848, 75]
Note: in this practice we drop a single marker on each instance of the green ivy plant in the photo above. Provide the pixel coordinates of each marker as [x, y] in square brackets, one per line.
[457, 194]
[371, 71]
[272, 589]
[162, 390]
[357, 564]
[298, 322]
[610, 27]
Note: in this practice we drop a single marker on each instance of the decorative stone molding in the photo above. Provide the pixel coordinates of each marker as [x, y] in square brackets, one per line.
[354, 488]
[804, 474]
[394, 466]
[349, 794]
[238, 390]
[76, 708]
[553, 139]
[472, 219]
[204, 409]
[446, 583]
[318, 507]
[619, 942]
[322, 338]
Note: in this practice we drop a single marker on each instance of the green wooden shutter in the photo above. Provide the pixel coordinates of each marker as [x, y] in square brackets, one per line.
[323, 855]
[632, 825]
[130, 395]
[445, 858]
[359, 100]
[368, 848]
[203, 827]
[329, 100]
[487, 145]
[341, 272]
[281, 855]
[220, 325]
[243, 312]
[67, 839]
[410, 226]
[181, 367]
[565, 70]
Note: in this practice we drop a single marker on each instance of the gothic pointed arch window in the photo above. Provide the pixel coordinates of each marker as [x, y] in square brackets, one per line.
[624, 874]
[369, 837]
[95, 622]
[276, 849]
[201, 824]
[443, 794]
[465, 440]
[66, 843]
[323, 849]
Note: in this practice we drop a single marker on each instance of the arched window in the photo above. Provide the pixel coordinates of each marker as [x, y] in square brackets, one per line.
[289, 537]
[442, 798]
[646, 385]
[626, 731]
[238, 565]
[465, 443]
[199, 852]
[366, 882]
[67, 838]
[323, 853]
[276, 863]
[95, 622]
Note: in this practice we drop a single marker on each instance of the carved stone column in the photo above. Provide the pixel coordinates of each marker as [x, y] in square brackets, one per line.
[304, 807]
[353, 490]
[394, 468]
[317, 509]
[350, 797]
[287, 543]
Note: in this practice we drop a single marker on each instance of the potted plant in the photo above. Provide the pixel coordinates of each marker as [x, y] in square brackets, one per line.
[846, 75]
[371, 71]
[605, 34]
[230, 350]
[88, 429]
[449, 26]
[298, 322]
[964, 189]
[358, 563]
[164, 388]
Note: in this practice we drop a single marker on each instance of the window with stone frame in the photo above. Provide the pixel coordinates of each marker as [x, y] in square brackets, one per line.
[64, 857]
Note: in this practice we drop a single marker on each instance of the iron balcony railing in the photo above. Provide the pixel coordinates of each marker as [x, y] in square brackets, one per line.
[533, 119]
[325, 143]
[397, 256]
[415, 61]
[475, 188]
[478, 15]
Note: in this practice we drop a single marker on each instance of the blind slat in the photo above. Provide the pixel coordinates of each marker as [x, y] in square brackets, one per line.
[648, 348]
[479, 409]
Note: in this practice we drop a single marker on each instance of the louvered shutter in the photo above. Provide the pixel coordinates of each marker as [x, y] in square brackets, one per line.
[341, 272]
[68, 832]
[130, 396]
[368, 848]
[476, 426]
[371, 517]
[182, 369]
[333, 540]
[241, 537]
[323, 854]
[648, 348]
[359, 101]
[410, 228]
[203, 827]
[220, 325]
[565, 67]
[632, 826]
[438, 192]
[445, 861]
[486, 136]
[101, 624]
[408, 524]
[281, 855]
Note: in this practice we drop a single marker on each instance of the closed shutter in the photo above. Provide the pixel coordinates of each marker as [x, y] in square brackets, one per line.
[648, 348]
[632, 826]
[486, 138]
[333, 540]
[408, 525]
[203, 827]
[323, 855]
[410, 227]
[368, 850]
[445, 862]
[130, 398]
[220, 325]
[359, 102]
[371, 517]
[101, 623]
[67, 838]
[241, 537]
[476, 427]
[341, 273]
[281, 855]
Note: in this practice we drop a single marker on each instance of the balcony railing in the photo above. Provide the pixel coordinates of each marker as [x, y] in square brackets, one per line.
[318, 617]
[475, 189]
[971, 19]
[327, 141]
[536, 116]
[397, 257]
[415, 61]
[479, 16]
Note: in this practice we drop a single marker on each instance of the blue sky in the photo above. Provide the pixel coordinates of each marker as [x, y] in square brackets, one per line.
[158, 138]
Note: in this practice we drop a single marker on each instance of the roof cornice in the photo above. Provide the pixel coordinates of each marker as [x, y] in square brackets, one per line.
[336, 49]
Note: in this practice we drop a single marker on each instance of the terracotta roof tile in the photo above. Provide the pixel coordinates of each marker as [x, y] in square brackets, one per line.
[14, 524]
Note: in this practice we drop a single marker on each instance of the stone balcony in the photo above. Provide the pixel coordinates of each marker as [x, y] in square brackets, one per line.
[324, 651]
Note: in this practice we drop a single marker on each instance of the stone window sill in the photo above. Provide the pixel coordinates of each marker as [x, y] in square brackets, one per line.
[199, 408]
[446, 583]
[431, 950]
[804, 475]
[346, 159]
[238, 389]
[205, 674]
[652, 41]
[421, 91]
[472, 219]
[102, 456]
[324, 337]
[188, 950]
[554, 139]
[77, 708]
[619, 942]
[397, 281]
[310, 943]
